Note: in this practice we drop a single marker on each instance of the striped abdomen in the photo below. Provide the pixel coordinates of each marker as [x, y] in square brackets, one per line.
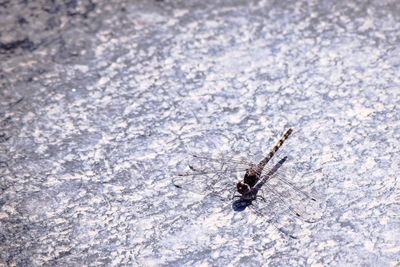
[263, 162]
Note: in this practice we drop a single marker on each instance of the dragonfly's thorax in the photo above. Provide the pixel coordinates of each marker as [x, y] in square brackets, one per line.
[250, 179]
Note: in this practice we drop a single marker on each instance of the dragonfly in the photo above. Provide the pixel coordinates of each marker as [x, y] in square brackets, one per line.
[266, 188]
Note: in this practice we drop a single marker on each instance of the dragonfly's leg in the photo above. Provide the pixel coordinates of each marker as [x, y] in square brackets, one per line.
[233, 192]
[261, 197]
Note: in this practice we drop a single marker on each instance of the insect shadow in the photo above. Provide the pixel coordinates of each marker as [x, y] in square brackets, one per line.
[247, 199]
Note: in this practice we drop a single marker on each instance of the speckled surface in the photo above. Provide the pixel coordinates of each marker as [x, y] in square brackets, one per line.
[101, 100]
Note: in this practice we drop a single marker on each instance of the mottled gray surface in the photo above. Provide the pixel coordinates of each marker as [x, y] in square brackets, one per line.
[100, 100]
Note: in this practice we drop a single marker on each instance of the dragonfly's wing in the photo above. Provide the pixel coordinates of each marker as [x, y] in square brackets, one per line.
[286, 202]
[222, 160]
[206, 175]
[288, 197]
[276, 214]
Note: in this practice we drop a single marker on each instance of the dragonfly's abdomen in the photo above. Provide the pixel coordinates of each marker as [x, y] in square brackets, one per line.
[262, 163]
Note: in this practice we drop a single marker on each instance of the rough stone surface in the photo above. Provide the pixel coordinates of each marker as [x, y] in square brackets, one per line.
[101, 100]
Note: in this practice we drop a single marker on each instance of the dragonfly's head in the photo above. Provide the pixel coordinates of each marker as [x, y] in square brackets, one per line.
[242, 187]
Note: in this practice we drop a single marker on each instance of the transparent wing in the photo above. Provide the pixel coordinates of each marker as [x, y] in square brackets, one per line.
[283, 203]
[284, 197]
[207, 175]
[276, 214]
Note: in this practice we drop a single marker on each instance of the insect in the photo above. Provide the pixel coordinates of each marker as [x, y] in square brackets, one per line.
[210, 176]
[253, 173]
